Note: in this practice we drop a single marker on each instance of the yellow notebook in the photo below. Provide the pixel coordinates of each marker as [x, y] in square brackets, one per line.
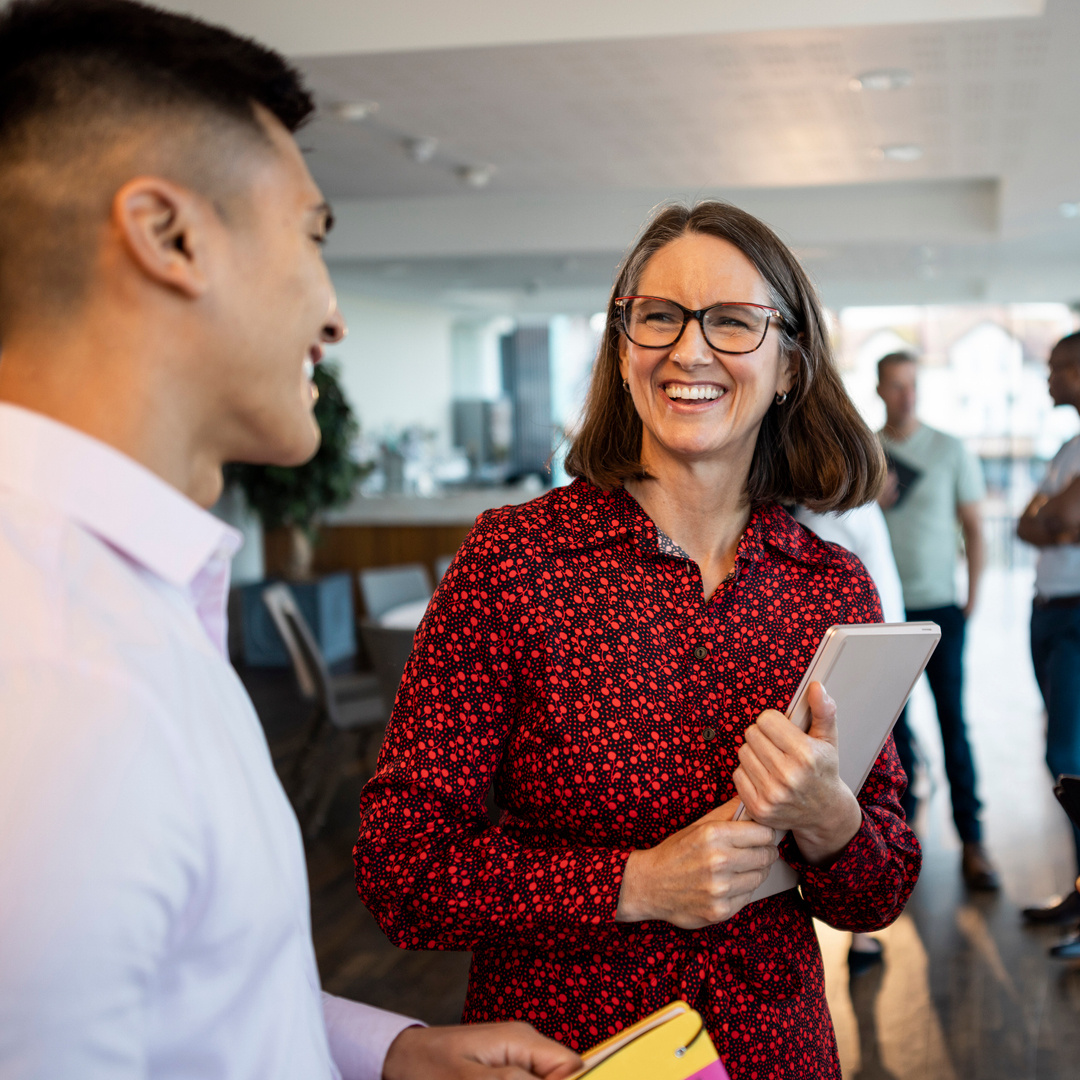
[669, 1044]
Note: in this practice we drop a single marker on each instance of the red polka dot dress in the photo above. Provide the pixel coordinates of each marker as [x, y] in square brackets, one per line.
[570, 660]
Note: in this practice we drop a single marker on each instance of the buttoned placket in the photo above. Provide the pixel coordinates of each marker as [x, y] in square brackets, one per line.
[701, 629]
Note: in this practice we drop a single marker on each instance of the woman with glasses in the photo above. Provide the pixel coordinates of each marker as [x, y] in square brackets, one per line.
[610, 658]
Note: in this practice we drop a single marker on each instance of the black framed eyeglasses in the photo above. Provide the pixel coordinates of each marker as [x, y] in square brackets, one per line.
[655, 323]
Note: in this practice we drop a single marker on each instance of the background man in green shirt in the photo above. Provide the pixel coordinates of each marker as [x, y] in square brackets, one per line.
[934, 483]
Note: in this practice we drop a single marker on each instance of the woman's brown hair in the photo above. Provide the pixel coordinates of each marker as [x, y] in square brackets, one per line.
[814, 449]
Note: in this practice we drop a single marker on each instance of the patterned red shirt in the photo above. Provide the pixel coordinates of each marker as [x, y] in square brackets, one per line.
[570, 659]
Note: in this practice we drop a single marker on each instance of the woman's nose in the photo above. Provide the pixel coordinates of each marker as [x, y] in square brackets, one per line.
[692, 348]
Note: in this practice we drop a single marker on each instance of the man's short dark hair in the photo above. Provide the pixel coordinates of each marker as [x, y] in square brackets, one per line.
[1071, 343]
[77, 78]
[893, 358]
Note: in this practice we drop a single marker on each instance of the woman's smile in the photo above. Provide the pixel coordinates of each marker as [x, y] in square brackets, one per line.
[693, 393]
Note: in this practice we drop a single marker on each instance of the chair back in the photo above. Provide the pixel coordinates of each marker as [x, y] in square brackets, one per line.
[388, 586]
[304, 652]
[388, 649]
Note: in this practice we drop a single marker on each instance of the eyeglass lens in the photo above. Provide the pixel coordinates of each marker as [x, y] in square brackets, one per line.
[730, 328]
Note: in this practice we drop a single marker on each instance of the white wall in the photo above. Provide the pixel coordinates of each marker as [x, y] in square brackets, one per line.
[396, 363]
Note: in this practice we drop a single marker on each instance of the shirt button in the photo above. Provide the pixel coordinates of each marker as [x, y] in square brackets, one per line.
[701, 652]
[708, 734]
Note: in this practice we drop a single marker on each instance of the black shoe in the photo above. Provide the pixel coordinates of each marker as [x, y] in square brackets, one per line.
[1059, 911]
[1069, 949]
[978, 870]
[861, 961]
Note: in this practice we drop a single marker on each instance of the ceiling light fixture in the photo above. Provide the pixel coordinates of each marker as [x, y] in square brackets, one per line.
[1069, 209]
[884, 79]
[421, 149]
[906, 152]
[354, 112]
[476, 176]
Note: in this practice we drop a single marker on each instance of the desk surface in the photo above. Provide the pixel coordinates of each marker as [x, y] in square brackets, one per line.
[456, 508]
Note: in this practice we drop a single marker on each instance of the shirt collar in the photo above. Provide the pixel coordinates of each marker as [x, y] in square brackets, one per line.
[608, 518]
[110, 495]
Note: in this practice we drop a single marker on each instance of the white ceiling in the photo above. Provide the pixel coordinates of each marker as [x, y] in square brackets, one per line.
[592, 113]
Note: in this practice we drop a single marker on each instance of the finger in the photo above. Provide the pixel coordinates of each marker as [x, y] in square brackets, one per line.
[562, 1072]
[772, 741]
[772, 772]
[530, 1050]
[759, 791]
[780, 732]
[822, 714]
[517, 1045]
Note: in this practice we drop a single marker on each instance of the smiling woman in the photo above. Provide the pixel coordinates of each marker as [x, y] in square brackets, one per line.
[612, 656]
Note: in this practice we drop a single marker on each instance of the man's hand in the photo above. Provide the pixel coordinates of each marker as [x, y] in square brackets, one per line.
[1050, 521]
[477, 1052]
[791, 780]
[890, 491]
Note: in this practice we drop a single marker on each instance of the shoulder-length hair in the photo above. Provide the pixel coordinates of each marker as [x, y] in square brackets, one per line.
[814, 449]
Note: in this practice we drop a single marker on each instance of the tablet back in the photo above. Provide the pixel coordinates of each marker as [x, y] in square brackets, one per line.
[869, 670]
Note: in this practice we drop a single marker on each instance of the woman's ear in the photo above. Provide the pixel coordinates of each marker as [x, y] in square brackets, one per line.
[791, 361]
[624, 360]
[162, 227]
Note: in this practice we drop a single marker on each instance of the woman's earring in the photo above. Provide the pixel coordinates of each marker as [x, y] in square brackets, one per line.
[781, 397]
[626, 385]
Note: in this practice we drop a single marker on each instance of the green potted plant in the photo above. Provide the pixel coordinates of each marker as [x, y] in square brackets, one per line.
[292, 498]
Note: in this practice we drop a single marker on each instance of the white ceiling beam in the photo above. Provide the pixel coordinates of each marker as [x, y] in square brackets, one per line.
[336, 27]
[477, 225]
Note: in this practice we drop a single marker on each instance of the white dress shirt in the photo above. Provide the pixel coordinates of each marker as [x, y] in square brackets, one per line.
[154, 911]
[1057, 571]
[864, 533]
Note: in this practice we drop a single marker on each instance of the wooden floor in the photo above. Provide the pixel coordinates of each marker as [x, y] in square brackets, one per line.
[966, 991]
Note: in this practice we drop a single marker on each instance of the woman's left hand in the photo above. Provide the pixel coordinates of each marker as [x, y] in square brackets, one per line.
[791, 781]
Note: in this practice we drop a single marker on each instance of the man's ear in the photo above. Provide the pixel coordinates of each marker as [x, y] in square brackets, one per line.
[163, 229]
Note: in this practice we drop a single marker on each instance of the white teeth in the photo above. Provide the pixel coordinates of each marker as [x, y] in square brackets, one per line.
[693, 393]
[309, 368]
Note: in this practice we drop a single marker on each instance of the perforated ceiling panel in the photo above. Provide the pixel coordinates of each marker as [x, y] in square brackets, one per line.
[768, 109]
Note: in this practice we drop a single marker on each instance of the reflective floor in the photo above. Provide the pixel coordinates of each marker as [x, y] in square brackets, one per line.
[965, 990]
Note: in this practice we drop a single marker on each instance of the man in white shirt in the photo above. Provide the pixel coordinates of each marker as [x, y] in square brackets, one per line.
[161, 294]
[1052, 523]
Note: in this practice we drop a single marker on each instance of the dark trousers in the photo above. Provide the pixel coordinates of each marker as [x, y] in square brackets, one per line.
[945, 673]
[1055, 652]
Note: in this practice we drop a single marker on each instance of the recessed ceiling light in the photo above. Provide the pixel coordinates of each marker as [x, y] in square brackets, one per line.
[354, 112]
[883, 79]
[899, 152]
[476, 176]
[1069, 209]
[421, 149]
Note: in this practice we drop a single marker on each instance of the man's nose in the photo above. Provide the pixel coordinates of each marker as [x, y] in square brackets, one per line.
[334, 329]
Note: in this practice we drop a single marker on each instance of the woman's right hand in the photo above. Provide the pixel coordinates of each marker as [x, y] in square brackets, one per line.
[701, 875]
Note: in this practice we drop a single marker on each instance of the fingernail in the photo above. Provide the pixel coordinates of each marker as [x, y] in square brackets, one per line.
[825, 697]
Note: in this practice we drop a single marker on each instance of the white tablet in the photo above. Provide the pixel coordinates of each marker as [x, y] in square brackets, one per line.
[869, 670]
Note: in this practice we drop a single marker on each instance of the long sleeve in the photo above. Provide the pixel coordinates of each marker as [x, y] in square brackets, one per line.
[360, 1036]
[869, 882]
[430, 865]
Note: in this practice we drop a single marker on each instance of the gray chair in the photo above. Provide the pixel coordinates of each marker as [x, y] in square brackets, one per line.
[390, 586]
[349, 711]
[388, 649]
